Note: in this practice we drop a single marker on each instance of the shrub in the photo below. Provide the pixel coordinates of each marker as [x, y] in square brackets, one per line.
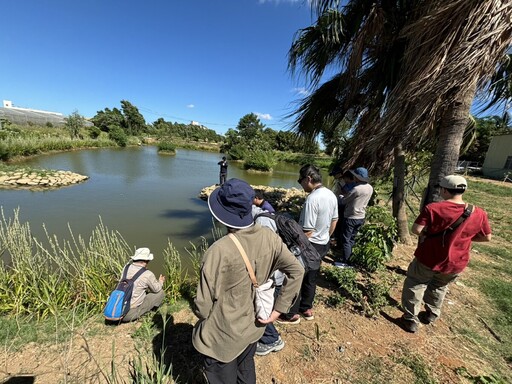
[237, 152]
[166, 146]
[94, 132]
[260, 160]
[345, 278]
[376, 297]
[118, 135]
[375, 241]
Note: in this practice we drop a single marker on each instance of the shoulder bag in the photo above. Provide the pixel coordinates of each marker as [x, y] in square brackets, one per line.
[264, 294]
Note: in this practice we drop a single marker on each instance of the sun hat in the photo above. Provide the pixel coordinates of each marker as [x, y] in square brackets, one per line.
[142, 254]
[361, 174]
[453, 182]
[231, 204]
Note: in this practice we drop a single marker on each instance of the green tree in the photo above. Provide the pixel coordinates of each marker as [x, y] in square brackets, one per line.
[107, 118]
[250, 127]
[134, 122]
[74, 123]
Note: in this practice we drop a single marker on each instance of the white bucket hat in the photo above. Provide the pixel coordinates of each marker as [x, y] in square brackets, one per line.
[142, 254]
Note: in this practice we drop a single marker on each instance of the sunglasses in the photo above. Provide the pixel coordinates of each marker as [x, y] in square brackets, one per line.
[301, 179]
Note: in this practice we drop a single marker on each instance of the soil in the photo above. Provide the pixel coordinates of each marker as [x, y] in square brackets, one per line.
[340, 345]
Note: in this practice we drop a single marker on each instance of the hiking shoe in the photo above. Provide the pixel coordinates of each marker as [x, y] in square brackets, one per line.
[308, 315]
[409, 325]
[427, 317]
[265, 349]
[295, 319]
[339, 264]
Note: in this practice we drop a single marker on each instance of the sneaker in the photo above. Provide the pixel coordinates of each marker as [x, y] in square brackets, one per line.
[308, 315]
[265, 349]
[295, 319]
[339, 264]
[427, 317]
[409, 325]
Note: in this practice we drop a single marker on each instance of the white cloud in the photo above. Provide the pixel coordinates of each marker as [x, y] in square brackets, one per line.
[263, 116]
[301, 91]
[190, 106]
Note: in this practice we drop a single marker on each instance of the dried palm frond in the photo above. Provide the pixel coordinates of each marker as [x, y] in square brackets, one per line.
[451, 47]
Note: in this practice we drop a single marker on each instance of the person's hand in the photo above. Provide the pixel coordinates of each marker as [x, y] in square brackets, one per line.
[161, 279]
[273, 317]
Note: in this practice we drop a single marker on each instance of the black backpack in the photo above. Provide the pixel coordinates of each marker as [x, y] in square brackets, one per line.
[118, 303]
[297, 242]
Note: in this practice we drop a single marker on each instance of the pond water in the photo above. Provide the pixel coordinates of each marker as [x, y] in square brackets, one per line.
[148, 198]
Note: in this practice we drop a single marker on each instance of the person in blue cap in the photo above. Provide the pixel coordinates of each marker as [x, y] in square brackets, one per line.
[354, 212]
[227, 331]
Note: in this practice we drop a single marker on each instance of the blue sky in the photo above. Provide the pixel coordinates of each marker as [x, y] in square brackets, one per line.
[211, 61]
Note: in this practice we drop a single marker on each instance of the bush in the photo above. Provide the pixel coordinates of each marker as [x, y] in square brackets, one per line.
[345, 278]
[237, 152]
[166, 146]
[118, 135]
[94, 132]
[375, 241]
[260, 160]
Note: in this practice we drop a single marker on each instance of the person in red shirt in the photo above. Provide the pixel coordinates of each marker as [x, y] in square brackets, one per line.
[442, 252]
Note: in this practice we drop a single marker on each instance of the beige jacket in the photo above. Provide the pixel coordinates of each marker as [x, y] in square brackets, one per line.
[146, 282]
[225, 297]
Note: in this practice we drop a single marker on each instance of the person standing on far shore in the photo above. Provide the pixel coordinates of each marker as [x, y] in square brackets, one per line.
[223, 175]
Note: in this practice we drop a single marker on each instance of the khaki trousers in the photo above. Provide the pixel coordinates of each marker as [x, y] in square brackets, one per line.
[151, 301]
[424, 284]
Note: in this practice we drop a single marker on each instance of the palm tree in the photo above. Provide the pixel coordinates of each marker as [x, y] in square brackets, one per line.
[407, 72]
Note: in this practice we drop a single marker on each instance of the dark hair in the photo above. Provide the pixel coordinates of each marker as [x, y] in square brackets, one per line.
[223, 157]
[455, 191]
[258, 193]
[311, 171]
[349, 175]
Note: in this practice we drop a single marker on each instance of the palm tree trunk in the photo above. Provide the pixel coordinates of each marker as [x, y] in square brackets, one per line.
[451, 131]
[399, 211]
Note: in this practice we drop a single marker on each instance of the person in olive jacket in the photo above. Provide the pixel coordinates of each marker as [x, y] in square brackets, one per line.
[227, 330]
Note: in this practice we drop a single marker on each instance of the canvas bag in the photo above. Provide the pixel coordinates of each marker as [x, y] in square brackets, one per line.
[118, 303]
[263, 294]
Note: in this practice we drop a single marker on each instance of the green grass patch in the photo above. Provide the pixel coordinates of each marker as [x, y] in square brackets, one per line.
[418, 367]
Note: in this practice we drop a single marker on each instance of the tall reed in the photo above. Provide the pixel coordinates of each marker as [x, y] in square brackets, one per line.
[42, 278]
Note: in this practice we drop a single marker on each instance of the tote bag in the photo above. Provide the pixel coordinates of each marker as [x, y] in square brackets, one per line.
[263, 294]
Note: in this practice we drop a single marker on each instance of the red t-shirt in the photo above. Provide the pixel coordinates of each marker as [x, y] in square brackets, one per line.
[449, 253]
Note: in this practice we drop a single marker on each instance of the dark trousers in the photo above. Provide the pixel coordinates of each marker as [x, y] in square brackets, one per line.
[222, 178]
[338, 229]
[308, 288]
[349, 229]
[270, 336]
[239, 371]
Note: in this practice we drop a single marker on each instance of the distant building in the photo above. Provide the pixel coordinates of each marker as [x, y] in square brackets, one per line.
[18, 115]
[498, 160]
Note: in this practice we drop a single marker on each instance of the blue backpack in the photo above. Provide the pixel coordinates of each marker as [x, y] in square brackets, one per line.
[118, 303]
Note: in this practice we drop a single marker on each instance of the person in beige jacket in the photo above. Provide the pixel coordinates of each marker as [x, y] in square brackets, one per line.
[148, 292]
[227, 330]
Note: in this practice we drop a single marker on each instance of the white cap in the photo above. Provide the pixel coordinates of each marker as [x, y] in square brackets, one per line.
[143, 254]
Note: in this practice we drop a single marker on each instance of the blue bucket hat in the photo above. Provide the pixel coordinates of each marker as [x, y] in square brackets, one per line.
[360, 174]
[231, 204]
